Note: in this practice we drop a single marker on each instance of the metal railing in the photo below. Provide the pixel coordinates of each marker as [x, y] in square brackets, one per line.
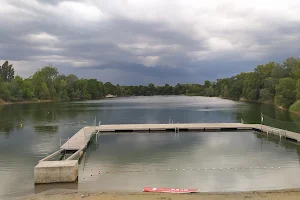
[276, 131]
[279, 124]
[52, 155]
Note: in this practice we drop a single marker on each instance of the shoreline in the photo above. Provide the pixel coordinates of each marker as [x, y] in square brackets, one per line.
[2, 102]
[63, 194]
[23, 102]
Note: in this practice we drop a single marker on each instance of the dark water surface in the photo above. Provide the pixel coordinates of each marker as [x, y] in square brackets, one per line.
[44, 124]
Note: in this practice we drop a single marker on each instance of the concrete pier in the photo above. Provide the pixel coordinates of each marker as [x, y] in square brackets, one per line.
[56, 171]
[80, 139]
[63, 171]
[67, 170]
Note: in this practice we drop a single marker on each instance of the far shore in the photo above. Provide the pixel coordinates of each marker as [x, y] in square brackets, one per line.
[289, 194]
[23, 102]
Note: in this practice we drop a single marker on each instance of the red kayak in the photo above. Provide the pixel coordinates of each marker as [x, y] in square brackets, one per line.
[170, 190]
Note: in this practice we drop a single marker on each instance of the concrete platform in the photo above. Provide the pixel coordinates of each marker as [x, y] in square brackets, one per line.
[79, 139]
[56, 171]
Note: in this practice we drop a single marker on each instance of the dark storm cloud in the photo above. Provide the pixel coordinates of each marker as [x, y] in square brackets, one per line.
[155, 71]
[151, 39]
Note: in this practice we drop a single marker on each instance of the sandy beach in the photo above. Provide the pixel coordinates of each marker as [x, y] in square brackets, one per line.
[293, 194]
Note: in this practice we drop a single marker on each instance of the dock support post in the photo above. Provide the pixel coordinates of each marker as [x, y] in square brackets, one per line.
[261, 120]
[176, 130]
[279, 137]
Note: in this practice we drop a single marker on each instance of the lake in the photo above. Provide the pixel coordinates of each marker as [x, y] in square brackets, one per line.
[201, 159]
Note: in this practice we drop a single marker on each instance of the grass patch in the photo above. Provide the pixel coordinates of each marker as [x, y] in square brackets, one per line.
[295, 107]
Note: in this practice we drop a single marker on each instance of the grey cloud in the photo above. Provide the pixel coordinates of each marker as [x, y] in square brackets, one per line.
[156, 71]
[53, 1]
[159, 32]
[151, 48]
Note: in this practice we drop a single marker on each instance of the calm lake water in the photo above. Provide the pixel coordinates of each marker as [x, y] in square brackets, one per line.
[201, 155]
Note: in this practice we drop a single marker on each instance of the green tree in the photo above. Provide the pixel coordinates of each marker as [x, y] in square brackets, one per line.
[40, 88]
[209, 91]
[236, 88]
[265, 95]
[110, 88]
[151, 89]
[61, 86]
[286, 92]
[28, 89]
[4, 91]
[167, 89]
[225, 92]
[291, 64]
[41, 91]
[298, 89]
[81, 89]
[7, 72]
[279, 72]
[71, 81]
[95, 88]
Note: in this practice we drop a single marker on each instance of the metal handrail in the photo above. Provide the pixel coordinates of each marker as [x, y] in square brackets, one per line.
[73, 155]
[51, 155]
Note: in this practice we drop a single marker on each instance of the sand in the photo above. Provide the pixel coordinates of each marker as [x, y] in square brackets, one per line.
[76, 195]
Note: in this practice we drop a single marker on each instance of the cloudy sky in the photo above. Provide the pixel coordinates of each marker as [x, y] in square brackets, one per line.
[139, 41]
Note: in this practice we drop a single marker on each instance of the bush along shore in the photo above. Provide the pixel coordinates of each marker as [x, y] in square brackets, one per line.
[277, 83]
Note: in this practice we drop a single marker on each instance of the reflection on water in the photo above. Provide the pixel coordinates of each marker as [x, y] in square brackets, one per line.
[224, 160]
[46, 129]
[155, 109]
[44, 124]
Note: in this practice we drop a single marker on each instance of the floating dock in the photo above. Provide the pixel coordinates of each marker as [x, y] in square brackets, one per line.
[49, 171]
[201, 127]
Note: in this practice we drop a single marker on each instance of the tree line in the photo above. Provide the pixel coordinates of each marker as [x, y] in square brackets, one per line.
[269, 83]
[48, 84]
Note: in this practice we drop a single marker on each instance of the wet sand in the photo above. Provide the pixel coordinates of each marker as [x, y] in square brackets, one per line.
[293, 194]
